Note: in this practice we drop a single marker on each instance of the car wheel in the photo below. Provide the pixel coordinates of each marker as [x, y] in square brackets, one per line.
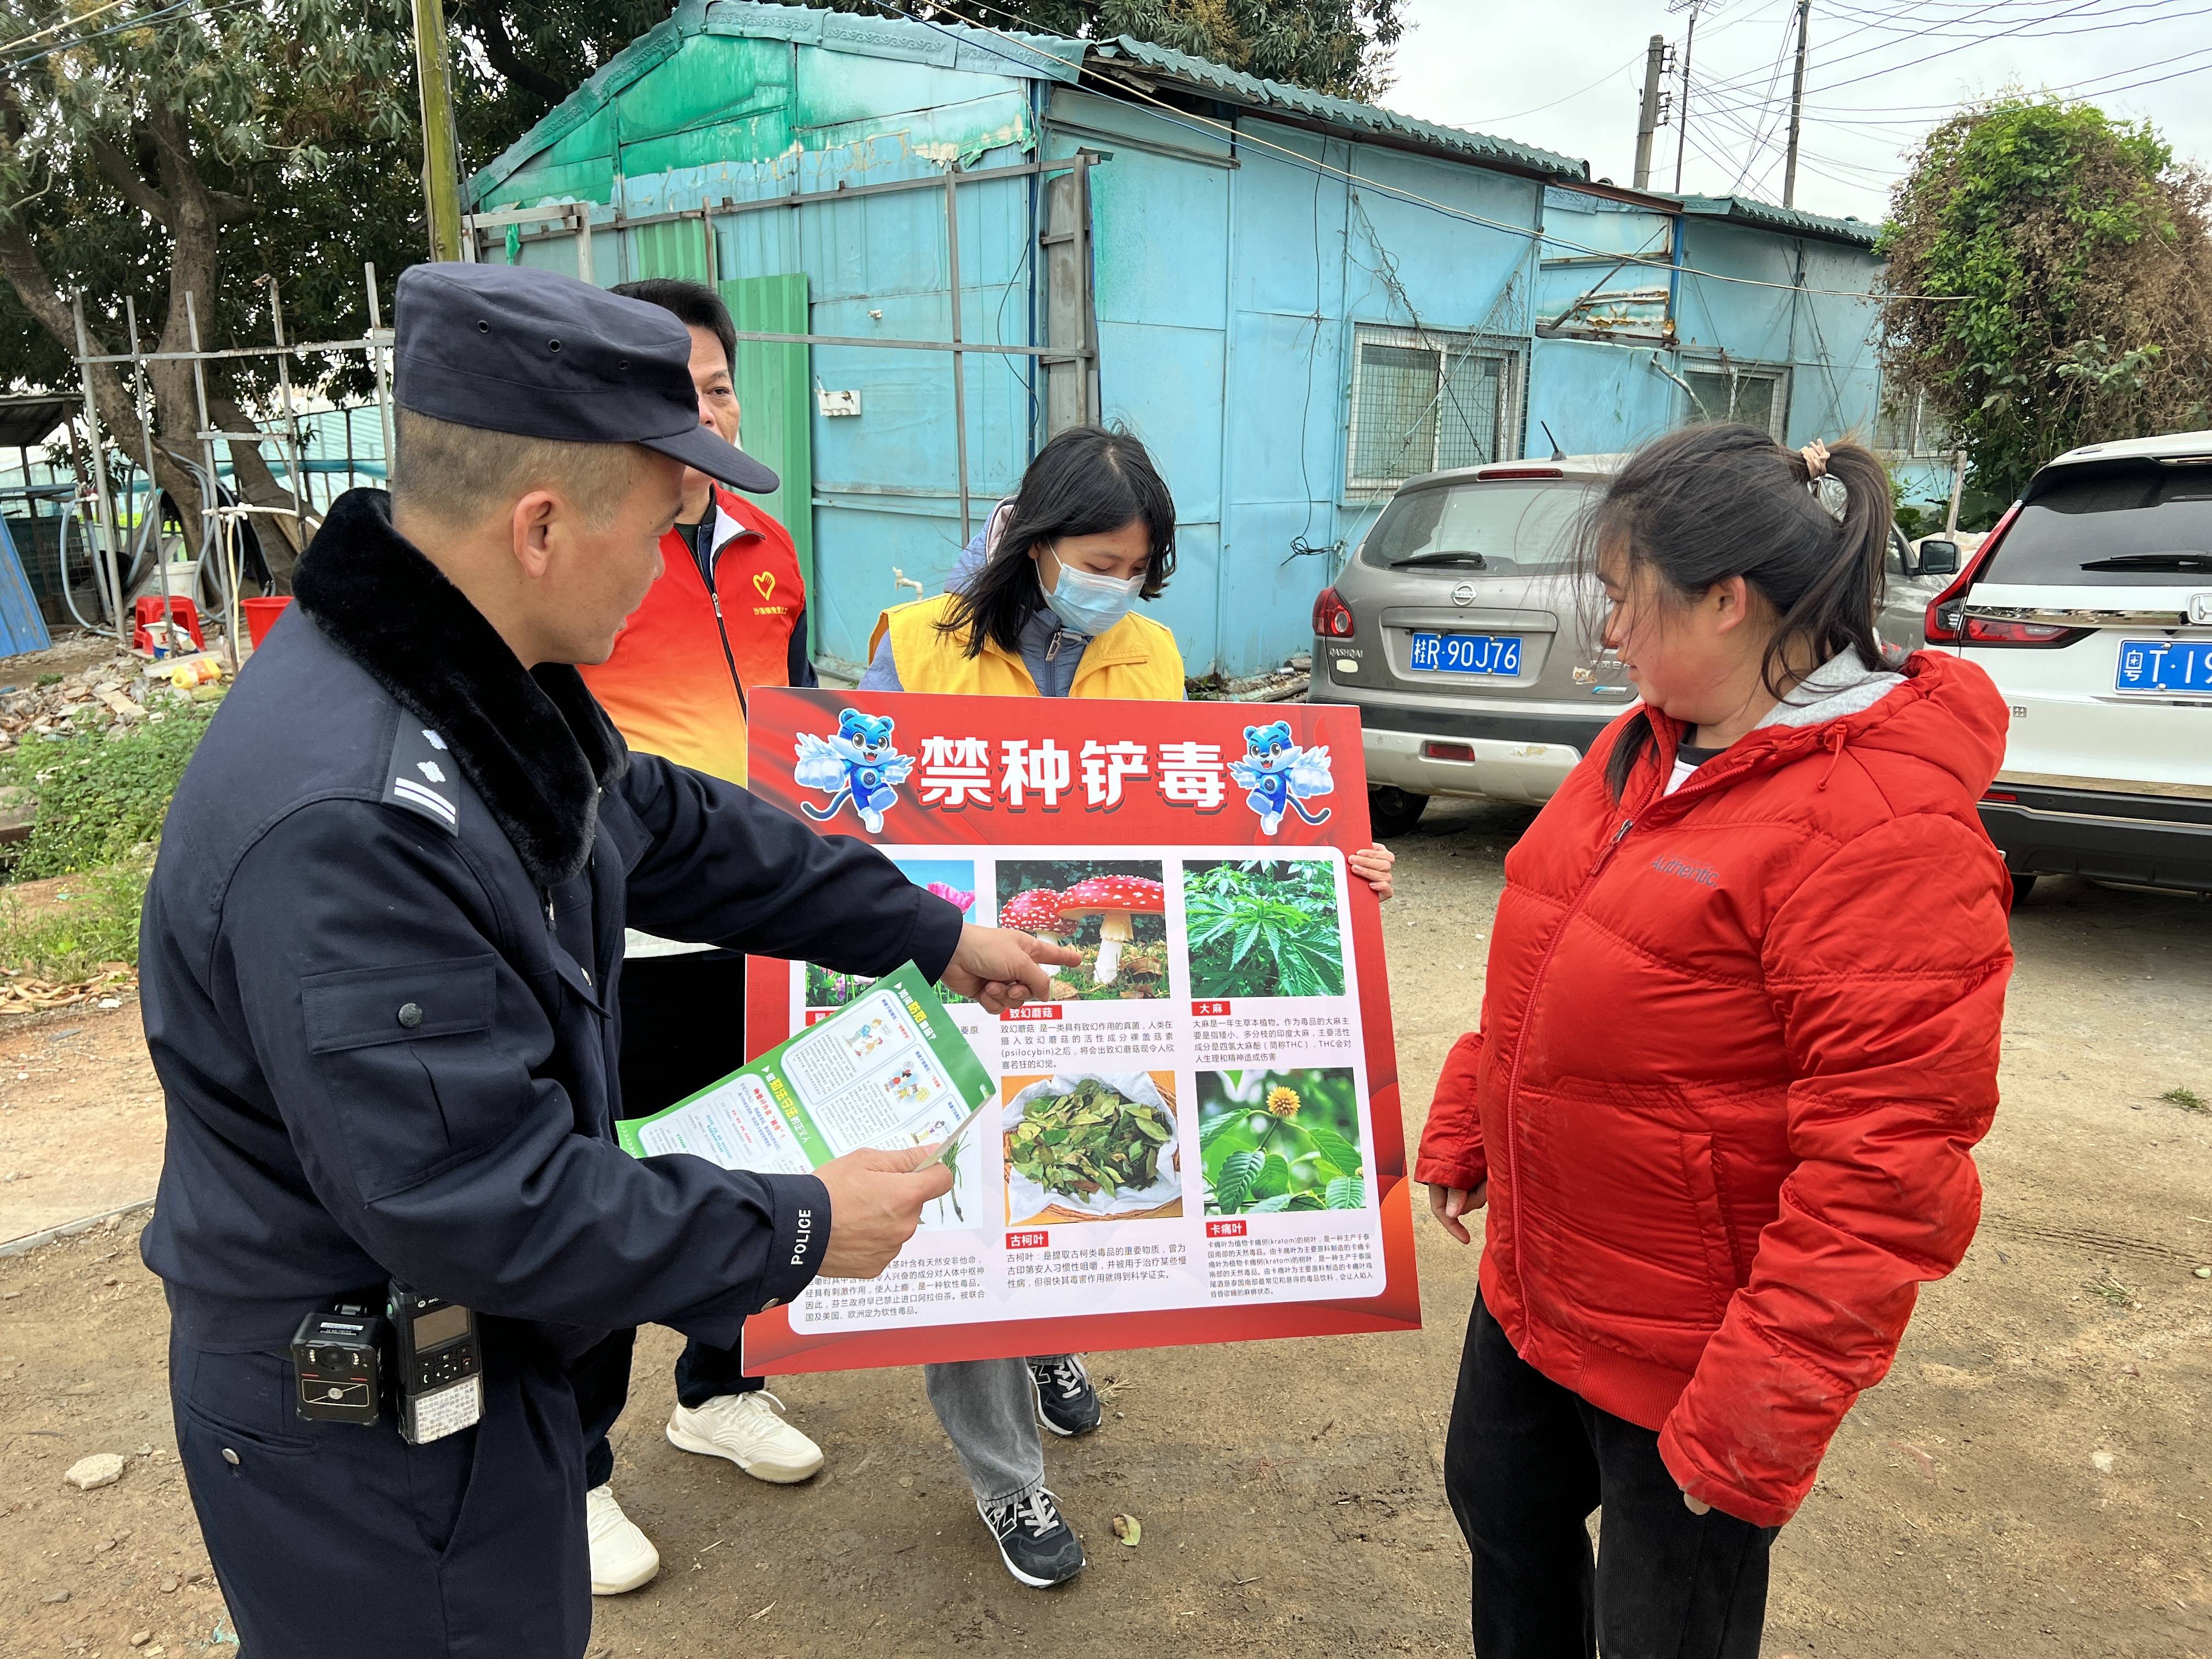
[2023, 885]
[1394, 812]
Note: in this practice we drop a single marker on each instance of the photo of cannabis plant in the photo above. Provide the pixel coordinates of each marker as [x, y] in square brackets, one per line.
[1262, 927]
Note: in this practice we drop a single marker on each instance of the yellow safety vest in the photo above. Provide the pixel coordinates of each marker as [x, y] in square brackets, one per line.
[1135, 658]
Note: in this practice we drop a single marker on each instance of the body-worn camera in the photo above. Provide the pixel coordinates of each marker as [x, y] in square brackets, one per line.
[420, 1354]
[338, 1356]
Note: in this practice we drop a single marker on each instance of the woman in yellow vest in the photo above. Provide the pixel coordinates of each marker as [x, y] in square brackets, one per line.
[1041, 604]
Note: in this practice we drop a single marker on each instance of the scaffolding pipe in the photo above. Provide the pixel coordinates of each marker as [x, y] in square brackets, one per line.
[959, 377]
[376, 358]
[291, 430]
[103, 503]
[219, 537]
[144, 405]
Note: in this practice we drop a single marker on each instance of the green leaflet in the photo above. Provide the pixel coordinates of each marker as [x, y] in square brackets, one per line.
[1346, 1193]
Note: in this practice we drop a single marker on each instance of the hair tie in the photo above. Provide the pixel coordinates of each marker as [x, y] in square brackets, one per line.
[1825, 488]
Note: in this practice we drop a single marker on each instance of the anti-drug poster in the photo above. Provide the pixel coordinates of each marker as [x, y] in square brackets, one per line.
[1197, 1138]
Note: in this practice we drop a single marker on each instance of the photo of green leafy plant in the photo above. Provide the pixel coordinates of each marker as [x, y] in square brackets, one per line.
[1091, 1147]
[1270, 1141]
[1113, 911]
[1262, 927]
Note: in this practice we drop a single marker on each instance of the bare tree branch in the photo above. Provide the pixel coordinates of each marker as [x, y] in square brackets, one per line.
[504, 54]
[120, 171]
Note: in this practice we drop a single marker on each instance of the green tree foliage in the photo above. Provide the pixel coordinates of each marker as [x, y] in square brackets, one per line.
[182, 150]
[1337, 46]
[2082, 249]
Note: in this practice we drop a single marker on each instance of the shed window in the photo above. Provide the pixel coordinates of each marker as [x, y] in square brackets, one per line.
[1756, 396]
[1423, 399]
[1908, 426]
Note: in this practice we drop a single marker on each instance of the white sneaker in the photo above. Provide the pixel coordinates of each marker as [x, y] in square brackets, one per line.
[746, 1429]
[622, 1558]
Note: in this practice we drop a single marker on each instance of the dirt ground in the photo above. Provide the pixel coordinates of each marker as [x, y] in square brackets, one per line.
[2035, 1478]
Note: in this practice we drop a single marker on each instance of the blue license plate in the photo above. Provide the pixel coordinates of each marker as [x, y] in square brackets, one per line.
[1468, 653]
[2164, 665]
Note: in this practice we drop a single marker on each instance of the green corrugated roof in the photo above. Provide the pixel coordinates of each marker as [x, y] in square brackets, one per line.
[1338, 112]
[1767, 217]
[1033, 57]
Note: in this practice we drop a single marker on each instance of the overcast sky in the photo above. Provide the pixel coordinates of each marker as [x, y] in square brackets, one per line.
[1567, 75]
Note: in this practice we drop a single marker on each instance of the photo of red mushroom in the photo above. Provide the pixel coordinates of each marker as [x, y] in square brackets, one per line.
[1113, 911]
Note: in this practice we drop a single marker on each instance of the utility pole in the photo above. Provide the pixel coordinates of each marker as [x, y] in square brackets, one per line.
[1796, 106]
[442, 152]
[1682, 105]
[1647, 120]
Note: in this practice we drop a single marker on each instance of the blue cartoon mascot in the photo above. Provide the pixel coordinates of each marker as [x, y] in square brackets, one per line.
[1281, 776]
[858, 764]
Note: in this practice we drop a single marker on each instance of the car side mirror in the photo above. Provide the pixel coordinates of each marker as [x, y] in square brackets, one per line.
[1939, 558]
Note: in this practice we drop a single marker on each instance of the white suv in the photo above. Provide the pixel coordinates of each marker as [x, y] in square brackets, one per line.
[2091, 606]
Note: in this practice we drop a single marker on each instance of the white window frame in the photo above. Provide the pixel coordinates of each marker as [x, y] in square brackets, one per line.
[1448, 344]
[1923, 433]
[1777, 428]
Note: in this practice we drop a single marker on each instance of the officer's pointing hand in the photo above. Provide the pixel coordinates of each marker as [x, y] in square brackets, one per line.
[1002, 968]
[875, 1200]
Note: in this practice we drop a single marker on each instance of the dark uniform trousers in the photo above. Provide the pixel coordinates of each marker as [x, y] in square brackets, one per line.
[381, 965]
[472, 1545]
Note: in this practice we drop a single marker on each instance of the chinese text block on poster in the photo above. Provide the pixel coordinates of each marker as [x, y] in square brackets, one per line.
[1197, 1138]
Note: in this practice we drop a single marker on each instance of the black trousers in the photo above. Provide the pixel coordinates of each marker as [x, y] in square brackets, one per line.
[683, 1028]
[1525, 1462]
[332, 1539]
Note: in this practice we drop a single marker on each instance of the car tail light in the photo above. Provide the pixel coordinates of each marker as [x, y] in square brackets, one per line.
[1946, 611]
[1989, 630]
[1451, 752]
[2005, 796]
[1332, 617]
[1491, 473]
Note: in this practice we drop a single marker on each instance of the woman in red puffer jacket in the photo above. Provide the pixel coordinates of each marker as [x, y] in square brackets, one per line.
[1739, 1032]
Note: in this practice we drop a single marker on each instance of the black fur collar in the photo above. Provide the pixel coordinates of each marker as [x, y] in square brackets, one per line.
[536, 746]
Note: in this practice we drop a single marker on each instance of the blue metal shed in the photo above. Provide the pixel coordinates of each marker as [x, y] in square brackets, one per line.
[1296, 301]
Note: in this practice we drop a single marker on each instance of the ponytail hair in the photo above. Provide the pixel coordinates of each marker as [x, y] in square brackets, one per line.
[1086, 482]
[1708, 502]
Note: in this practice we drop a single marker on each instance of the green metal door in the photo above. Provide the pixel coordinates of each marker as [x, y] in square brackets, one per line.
[774, 384]
[775, 389]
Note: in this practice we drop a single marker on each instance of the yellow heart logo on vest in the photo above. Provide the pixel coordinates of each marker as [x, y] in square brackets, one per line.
[765, 581]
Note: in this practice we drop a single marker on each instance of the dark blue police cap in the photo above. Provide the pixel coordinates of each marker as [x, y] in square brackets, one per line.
[544, 355]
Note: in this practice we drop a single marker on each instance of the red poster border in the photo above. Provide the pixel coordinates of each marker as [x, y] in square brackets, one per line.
[779, 715]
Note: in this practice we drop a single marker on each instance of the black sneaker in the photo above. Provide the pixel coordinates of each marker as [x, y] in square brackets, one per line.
[1037, 1547]
[1066, 1403]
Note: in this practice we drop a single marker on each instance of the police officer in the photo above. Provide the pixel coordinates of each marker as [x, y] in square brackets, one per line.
[379, 966]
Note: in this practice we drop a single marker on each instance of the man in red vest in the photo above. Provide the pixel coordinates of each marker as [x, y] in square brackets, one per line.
[727, 613]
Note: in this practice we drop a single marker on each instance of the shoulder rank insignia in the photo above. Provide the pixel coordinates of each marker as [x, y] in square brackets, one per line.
[421, 781]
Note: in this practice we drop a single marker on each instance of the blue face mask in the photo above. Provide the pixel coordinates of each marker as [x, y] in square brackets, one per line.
[1091, 604]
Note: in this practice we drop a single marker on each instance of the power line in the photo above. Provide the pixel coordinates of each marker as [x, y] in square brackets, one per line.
[1208, 127]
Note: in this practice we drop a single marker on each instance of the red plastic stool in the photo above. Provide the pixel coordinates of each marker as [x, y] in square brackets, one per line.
[183, 613]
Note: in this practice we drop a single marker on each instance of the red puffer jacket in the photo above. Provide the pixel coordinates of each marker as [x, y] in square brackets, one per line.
[1736, 1045]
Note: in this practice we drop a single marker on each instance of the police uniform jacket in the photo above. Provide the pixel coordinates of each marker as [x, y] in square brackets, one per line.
[379, 964]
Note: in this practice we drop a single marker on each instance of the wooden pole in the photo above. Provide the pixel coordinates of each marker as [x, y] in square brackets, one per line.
[442, 154]
[1796, 106]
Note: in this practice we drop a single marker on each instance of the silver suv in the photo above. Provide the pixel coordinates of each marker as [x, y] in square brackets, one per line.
[1459, 631]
